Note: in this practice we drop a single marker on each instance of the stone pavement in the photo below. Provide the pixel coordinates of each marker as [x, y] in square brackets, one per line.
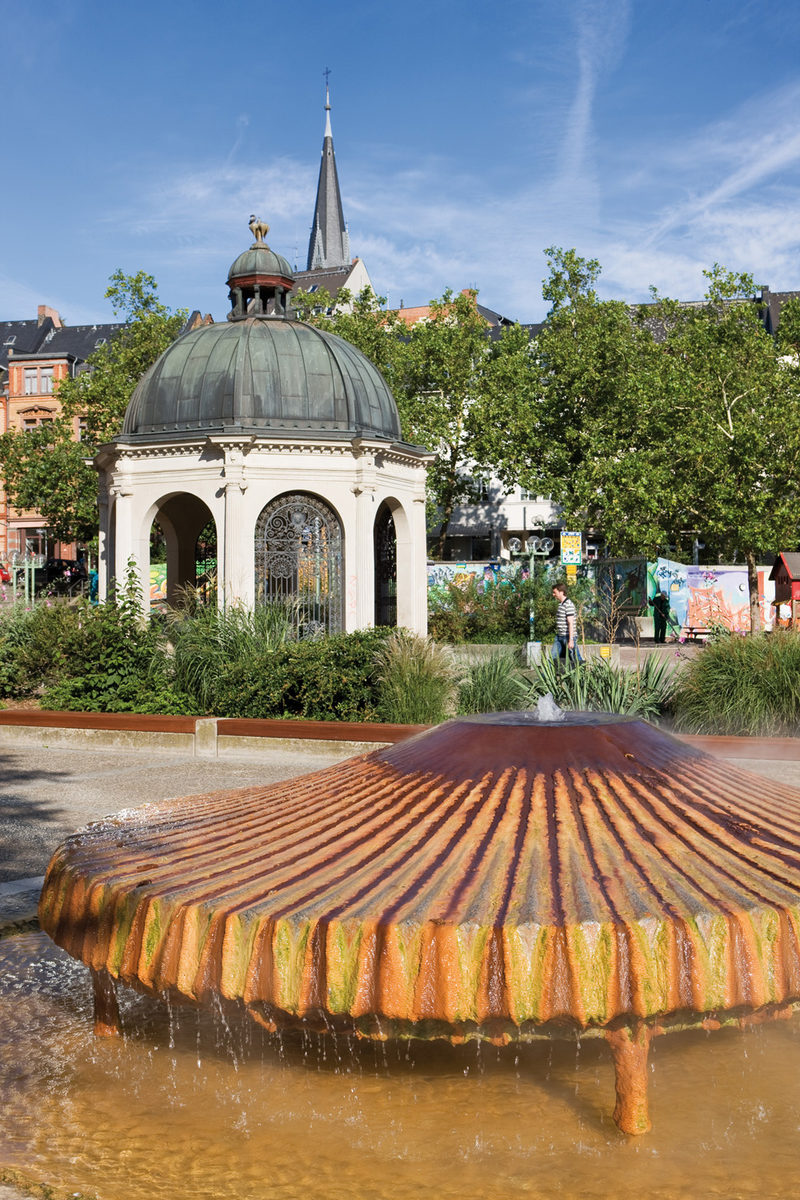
[47, 793]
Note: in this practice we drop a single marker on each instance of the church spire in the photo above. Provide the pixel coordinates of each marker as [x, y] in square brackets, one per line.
[329, 244]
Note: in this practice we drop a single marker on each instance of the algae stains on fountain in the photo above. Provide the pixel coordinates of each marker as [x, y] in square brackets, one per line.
[504, 878]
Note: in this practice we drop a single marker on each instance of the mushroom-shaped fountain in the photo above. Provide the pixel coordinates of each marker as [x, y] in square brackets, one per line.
[497, 877]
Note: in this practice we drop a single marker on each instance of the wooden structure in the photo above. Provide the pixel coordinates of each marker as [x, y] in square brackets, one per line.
[786, 573]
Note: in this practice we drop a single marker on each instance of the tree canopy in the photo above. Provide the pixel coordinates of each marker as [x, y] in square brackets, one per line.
[446, 375]
[664, 423]
[44, 469]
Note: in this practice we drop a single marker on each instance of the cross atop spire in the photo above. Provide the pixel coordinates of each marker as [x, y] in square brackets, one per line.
[329, 244]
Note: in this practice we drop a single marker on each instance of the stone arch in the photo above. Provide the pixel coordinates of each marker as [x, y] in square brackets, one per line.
[182, 516]
[384, 539]
[407, 579]
[299, 560]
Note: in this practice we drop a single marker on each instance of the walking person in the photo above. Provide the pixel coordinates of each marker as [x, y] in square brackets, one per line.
[565, 644]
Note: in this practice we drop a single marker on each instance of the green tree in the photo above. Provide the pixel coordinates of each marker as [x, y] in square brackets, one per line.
[733, 396]
[656, 425]
[589, 436]
[45, 469]
[447, 376]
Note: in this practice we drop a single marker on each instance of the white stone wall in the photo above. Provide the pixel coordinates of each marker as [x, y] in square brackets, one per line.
[235, 478]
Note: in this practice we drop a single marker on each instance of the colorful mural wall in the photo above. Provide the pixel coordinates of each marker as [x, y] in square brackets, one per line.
[158, 582]
[703, 597]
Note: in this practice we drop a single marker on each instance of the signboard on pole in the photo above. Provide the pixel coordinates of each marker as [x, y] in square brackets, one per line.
[571, 548]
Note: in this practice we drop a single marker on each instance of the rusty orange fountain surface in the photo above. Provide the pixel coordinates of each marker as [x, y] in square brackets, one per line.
[497, 877]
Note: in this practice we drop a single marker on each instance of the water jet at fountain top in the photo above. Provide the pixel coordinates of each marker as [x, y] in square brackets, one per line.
[500, 876]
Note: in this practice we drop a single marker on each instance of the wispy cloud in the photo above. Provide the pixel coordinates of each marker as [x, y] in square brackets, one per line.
[601, 29]
[667, 210]
[731, 158]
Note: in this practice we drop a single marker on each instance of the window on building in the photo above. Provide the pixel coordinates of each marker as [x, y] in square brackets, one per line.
[29, 423]
[46, 380]
[31, 381]
[82, 429]
[10, 340]
[480, 489]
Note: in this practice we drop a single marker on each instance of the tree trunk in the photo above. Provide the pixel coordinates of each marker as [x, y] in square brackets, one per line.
[752, 584]
[447, 513]
[448, 504]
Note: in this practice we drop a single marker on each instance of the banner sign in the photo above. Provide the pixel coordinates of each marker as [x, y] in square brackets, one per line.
[571, 546]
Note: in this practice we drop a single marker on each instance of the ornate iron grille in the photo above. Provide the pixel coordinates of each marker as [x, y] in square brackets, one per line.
[385, 568]
[298, 559]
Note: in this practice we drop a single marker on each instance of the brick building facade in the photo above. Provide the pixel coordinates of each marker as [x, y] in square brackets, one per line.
[34, 357]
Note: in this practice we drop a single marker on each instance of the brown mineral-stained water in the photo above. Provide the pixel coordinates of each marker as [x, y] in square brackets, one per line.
[203, 1105]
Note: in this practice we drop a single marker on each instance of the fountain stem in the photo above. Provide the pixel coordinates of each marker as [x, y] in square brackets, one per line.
[629, 1049]
[106, 1008]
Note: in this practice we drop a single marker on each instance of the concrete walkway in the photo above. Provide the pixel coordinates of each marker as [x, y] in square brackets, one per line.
[48, 792]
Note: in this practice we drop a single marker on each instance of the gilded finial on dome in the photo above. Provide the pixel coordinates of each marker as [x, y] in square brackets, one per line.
[259, 230]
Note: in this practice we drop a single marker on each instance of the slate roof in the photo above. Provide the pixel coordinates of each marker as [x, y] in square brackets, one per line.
[23, 337]
[80, 341]
[332, 279]
[329, 244]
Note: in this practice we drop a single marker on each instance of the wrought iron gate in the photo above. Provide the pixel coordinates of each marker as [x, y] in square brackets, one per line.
[385, 568]
[298, 559]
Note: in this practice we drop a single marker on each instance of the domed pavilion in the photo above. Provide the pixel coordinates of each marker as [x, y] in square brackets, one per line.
[288, 439]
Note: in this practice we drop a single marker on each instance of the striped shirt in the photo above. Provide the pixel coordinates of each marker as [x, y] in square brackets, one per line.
[565, 610]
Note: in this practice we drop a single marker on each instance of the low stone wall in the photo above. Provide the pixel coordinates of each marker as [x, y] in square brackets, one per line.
[214, 737]
[202, 737]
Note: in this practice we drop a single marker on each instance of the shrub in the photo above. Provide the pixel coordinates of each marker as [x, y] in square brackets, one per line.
[209, 643]
[36, 645]
[478, 610]
[114, 661]
[328, 679]
[742, 685]
[494, 685]
[418, 680]
[598, 686]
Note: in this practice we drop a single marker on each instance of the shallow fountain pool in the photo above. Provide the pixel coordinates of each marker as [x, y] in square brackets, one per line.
[194, 1104]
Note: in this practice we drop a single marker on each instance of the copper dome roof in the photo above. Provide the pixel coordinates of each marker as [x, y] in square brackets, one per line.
[267, 375]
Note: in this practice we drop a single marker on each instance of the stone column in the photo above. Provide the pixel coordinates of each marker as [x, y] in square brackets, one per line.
[419, 550]
[237, 553]
[359, 562]
[123, 528]
[103, 548]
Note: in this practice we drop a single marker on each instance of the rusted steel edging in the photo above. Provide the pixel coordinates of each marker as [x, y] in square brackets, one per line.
[201, 736]
[185, 729]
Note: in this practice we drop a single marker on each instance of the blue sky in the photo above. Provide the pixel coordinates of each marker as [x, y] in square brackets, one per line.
[658, 136]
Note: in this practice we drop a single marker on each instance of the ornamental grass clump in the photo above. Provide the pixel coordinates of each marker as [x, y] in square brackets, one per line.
[418, 680]
[742, 686]
[597, 686]
[208, 642]
[494, 685]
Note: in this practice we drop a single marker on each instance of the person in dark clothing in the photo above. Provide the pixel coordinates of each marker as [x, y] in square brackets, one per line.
[660, 604]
